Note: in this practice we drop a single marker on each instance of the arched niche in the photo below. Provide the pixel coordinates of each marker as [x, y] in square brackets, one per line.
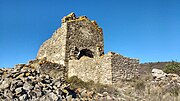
[85, 52]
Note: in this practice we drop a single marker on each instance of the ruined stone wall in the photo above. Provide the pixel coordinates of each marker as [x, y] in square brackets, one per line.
[123, 68]
[78, 45]
[108, 69]
[45, 67]
[96, 69]
[54, 48]
[77, 32]
[84, 34]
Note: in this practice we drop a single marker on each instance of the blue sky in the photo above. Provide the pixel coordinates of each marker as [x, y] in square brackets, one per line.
[144, 29]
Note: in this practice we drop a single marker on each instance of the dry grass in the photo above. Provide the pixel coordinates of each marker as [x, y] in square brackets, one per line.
[99, 88]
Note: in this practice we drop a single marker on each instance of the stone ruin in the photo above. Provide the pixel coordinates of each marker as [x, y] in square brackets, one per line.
[79, 46]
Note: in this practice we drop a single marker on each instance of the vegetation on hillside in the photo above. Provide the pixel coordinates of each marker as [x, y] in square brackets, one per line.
[172, 67]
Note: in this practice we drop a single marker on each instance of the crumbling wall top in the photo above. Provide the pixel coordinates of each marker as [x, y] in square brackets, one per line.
[72, 17]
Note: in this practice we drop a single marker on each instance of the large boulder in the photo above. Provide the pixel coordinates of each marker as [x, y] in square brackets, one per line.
[158, 74]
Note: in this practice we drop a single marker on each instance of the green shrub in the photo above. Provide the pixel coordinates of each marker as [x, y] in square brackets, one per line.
[173, 67]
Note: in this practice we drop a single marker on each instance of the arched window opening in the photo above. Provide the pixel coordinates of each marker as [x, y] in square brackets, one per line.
[85, 52]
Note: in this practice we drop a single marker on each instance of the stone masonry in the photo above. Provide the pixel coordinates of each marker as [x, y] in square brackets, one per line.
[74, 36]
[110, 68]
[78, 45]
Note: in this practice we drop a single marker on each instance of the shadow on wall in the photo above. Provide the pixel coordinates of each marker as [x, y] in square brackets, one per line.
[85, 52]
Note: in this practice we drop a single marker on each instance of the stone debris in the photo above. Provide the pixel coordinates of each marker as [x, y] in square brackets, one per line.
[159, 76]
[25, 83]
[165, 82]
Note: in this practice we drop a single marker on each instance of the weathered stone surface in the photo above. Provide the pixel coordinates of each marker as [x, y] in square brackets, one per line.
[84, 94]
[23, 97]
[159, 74]
[92, 69]
[173, 77]
[108, 69]
[1, 71]
[18, 90]
[77, 32]
[27, 86]
[45, 67]
[53, 96]
[69, 98]
[38, 92]
[123, 68]
[78, 45]
[105, 94]
[5, 84]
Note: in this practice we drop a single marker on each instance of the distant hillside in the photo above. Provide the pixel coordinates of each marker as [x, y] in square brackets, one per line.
[147, 67]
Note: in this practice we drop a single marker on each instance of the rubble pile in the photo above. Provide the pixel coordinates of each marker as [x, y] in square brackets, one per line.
[25, 82]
